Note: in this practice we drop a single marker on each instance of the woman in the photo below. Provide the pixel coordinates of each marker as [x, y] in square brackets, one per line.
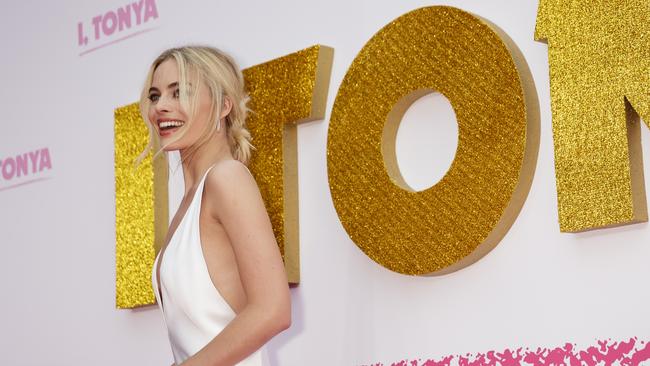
[219, 280]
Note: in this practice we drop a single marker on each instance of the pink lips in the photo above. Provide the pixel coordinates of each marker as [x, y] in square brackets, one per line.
[167, 132]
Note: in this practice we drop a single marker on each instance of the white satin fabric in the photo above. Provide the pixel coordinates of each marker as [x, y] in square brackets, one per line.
[193, 309]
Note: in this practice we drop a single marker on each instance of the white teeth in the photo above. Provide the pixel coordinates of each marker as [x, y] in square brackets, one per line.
[166, 124]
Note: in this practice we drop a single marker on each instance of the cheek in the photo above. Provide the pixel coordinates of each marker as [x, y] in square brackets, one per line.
[152, 117]
[196, 129]
[203, 117]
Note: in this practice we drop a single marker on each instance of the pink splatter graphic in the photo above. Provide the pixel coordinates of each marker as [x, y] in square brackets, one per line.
[630, 353]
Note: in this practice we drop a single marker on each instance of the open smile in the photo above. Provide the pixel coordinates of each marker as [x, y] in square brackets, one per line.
[168, 126]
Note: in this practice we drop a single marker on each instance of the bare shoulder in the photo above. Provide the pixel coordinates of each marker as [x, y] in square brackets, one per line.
[229, 173]
[230, 183]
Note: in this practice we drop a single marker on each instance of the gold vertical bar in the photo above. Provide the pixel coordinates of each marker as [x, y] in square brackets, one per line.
[141, 209]
[285, 92]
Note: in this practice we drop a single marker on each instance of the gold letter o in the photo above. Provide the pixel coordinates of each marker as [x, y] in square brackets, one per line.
[462, 217]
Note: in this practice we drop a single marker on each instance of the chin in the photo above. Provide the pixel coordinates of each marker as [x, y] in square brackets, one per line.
[172, 147]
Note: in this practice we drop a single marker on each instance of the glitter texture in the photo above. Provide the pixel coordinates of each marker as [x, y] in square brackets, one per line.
[141, 212]
[285, 92]
[462, 217]
[599, 61]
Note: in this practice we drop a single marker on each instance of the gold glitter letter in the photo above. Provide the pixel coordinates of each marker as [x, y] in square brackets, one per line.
[462, 217]
[599, 60]
[141, 209]
[285, 92]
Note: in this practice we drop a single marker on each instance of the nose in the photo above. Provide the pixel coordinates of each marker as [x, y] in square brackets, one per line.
[164, 104]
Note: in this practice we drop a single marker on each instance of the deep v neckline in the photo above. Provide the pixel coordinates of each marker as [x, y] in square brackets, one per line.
[163, 250]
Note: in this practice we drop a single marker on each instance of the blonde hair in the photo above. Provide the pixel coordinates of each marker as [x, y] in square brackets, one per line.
[223, 79]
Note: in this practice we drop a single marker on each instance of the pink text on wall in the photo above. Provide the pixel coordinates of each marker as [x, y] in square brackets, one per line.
[116, 25]
[25, 168]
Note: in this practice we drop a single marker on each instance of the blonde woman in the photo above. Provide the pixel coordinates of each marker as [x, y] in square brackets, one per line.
[219, 279]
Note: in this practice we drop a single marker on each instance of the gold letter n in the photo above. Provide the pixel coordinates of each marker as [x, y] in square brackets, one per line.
[599, 62]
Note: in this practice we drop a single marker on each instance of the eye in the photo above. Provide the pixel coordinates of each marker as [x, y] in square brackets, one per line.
[154, 97]
[176, 93]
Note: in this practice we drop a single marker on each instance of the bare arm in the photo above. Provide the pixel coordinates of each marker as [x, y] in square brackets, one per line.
[238, 205]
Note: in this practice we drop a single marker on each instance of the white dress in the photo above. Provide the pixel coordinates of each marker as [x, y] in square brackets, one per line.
[193, 309]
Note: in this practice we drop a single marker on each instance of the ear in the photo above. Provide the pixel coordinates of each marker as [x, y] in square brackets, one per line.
[226, 107]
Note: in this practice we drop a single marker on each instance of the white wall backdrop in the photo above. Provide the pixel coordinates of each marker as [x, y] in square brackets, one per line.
[538, 288]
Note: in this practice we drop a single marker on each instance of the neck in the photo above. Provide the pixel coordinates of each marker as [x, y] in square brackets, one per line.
[211, 152]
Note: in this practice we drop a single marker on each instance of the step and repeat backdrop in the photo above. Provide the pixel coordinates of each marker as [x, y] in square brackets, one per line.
[450, 183]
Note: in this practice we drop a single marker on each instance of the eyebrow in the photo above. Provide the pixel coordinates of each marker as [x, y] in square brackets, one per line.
[170, 86]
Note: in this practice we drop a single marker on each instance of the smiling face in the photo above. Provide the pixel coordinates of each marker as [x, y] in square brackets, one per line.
[194, 98]
[177, 128]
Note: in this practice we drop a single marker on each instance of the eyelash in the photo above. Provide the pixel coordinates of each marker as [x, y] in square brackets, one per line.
[154, 97]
